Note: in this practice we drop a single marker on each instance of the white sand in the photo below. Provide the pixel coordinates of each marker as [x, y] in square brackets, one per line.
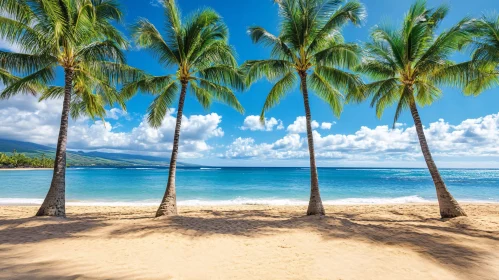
[251, 242]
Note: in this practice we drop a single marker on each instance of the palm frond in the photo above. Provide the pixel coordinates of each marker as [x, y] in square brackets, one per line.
[270, 68]
[279, 48]
[101, 51]
[278, 91]
[326, 92]
[158, 108]
[220, 93]
[28, 84]
[147, 36]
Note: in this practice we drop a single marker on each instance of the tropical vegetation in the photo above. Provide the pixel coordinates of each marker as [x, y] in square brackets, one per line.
[408, 66]
[485, 54]
[17, 160]
[205, 65]
[311, 51]
[77, 36]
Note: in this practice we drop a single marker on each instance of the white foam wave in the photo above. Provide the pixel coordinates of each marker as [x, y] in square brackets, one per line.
[37, 201]
[20, 201]
[378, 200]
[210, 168]
[367, 169]
[240, 201]
[93, 168]
[141, 168]
[115, 203]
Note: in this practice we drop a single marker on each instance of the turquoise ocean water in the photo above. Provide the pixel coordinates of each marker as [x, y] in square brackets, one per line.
[229, 186]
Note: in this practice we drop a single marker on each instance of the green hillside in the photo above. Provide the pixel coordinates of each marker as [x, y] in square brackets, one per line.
[79, 158]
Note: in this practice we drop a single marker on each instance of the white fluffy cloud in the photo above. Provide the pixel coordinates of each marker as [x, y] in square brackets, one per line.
[326, 125]
[471, 138]
[25, 119]
[300, 125]
[253, 123]
[116, 114]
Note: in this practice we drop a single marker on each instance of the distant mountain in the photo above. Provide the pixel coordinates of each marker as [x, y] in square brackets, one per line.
[79, 158]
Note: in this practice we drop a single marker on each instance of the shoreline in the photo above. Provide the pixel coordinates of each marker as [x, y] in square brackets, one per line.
[24, 169]
[249, 207]
[411, 200]
[404, 241]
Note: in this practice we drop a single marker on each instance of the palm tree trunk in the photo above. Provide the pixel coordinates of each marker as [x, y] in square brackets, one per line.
[315, 203]
[449, 208]
[168, 206]
[55, 201]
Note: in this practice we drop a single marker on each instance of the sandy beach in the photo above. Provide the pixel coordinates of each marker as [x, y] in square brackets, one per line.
[251, 242]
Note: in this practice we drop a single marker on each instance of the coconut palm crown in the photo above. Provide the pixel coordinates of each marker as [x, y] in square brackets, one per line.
[205, 65]
[485, 54]
[311, 51]
[78, 37]
[407, 66]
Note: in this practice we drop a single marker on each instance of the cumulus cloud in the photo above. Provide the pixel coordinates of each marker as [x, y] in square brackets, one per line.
[116, 114]
[253, 123]
[471, 138]
[300, 125]
[326, 125]
[25, 119]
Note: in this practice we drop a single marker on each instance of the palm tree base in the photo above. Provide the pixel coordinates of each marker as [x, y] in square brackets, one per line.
[167, 210]
[316, 209]
[51, 211]
[54, 203]
[452, 212]
[449, 208]
[316, 213]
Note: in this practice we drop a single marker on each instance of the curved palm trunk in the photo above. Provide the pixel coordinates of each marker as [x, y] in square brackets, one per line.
[449, 208]
[315, 204]
[168, 206]
[55, 201]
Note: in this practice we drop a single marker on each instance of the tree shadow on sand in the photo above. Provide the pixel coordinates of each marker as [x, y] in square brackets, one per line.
[453, 245]
[430, 237]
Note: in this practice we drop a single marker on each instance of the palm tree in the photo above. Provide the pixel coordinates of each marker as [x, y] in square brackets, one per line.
[485, 56]
[77, 36]
[408, 65]
[206, 65]
[309, 49]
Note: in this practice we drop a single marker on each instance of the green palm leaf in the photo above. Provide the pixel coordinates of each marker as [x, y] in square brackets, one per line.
[198, 47]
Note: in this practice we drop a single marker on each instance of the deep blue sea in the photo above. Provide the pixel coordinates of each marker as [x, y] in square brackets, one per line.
[228, 185]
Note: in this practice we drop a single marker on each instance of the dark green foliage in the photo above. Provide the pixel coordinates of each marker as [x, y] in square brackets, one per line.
[411, 63]
[310, 42]
[16, 160]
[198, 48]
[73, 34]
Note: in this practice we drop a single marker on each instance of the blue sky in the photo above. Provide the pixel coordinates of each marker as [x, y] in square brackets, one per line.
[226, 143]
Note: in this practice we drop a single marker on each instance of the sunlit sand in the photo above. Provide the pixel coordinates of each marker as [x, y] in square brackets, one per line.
[251, 242]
